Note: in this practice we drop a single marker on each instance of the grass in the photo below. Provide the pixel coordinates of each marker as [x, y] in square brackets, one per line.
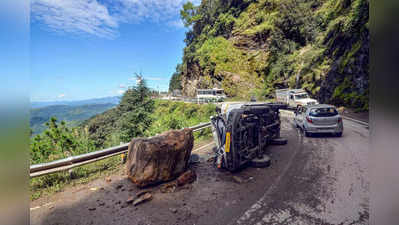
[49, 184]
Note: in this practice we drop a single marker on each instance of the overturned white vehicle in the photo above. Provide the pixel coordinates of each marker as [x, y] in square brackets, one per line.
[242, 131]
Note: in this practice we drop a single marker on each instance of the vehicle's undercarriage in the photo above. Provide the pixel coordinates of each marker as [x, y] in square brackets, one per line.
[243, 131]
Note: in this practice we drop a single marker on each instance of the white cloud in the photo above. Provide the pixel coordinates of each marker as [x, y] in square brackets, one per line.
[121, 91]
[102, 18]
[75, 16]
[122, 86]
[61, 96]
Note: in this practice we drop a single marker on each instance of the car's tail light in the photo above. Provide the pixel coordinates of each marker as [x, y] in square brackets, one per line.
[339, 120]
[309, 119]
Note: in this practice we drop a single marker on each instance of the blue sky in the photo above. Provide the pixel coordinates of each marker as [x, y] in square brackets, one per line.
[83, 49]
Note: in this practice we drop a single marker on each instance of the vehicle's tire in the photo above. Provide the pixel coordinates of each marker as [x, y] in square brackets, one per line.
[194, 158]
[261, 163]
[339, 134]
[278, 141]
[307, 134]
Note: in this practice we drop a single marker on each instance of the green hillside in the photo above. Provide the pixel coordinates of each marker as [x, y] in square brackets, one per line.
[72, 115]
[252, 47]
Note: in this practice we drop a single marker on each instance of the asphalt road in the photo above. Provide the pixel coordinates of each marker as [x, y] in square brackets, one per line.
[316, 180]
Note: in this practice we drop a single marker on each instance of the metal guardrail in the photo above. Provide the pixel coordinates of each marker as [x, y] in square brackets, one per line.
[79, 160]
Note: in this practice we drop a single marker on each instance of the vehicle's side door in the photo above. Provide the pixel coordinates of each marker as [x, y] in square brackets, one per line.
[291, 101]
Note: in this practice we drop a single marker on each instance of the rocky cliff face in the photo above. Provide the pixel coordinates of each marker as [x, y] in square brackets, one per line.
[253, 47]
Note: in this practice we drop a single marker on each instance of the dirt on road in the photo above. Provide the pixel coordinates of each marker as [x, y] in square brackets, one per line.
[319, 180]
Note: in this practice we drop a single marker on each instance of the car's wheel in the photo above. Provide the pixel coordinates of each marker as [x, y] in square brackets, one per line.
[261, 163]
[278, 141]
[339, 134]
[307, 134]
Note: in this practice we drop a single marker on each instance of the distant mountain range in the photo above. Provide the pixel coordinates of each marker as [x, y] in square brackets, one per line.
[72, 112]
[106, 100]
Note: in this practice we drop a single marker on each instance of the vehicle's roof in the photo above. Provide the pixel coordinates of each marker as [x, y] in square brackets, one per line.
[319, 106]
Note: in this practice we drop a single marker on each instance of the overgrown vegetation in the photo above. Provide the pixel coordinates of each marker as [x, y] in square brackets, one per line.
[136, 115]
[243, 45]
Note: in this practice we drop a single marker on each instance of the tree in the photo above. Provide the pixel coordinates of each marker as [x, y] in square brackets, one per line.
[189, 14]
[59, 141]
[135, 109]
[175, 80]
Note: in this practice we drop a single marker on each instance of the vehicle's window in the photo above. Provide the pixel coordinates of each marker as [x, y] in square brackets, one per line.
[323, 112]
[291, 97]
[301, 96]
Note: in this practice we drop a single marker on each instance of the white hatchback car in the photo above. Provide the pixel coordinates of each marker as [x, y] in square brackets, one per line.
[320, 118]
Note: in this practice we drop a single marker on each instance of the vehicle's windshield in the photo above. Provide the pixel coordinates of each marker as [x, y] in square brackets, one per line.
[323, 112]
[301, 96]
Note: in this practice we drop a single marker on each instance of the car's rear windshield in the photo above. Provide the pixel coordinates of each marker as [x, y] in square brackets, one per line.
[323, 112]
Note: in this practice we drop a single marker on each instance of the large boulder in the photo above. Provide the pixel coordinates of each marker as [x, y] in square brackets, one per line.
[160, 158]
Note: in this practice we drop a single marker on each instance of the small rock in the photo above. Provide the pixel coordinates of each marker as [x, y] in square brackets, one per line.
[101, 203]
[169, 187]
[140, 193]
[187, 177]
[117, 202]
[238, 179]
[119, 186]
[108, 179]
[92, 208]
[122, 189]
[173, 210]
[143, 198]
[130, 200]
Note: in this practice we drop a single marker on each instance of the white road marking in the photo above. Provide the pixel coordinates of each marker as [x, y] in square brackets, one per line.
[258, 205]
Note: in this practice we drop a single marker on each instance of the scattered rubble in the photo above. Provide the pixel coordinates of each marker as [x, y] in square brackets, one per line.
[92, 208]
[130, 200]
[160, 158]
[186, 178]
[173, 210]
[140, 193]
[237, 179]
[168, 187]
[143, 198]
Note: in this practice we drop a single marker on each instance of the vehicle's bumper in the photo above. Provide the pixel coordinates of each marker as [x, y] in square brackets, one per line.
[337, 128]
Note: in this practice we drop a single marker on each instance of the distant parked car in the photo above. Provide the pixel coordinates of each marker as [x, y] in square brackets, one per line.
[320, 118]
